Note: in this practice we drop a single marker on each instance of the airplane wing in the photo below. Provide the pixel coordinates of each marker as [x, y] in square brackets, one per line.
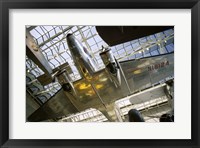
[99, 91]
[146, 72]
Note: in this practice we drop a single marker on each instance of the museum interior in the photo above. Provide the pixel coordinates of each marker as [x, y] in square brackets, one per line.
[99, 73]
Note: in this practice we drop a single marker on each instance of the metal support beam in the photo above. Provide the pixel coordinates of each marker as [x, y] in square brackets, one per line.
[56, 35]
[35, 54]
[31, 28]
[57, 41]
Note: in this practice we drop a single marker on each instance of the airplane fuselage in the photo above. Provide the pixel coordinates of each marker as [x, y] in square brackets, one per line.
[81, 55]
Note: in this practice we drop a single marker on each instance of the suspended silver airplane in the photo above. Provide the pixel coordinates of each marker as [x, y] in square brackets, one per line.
[101, 88]
[86, 64]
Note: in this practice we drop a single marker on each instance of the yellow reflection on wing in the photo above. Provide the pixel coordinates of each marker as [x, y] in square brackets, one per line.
[138, 71]
[84, 86]
[98, 86]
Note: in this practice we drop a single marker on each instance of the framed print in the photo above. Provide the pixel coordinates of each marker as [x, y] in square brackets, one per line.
[99, 74]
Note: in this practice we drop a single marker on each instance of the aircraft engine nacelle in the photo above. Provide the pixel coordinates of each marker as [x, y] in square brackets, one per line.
[109, 60]
[64, 80]
[111, 65]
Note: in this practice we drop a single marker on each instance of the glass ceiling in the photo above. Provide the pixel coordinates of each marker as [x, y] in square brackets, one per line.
[52, 41]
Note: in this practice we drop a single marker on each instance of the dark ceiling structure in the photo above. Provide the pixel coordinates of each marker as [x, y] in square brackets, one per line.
[114, 35]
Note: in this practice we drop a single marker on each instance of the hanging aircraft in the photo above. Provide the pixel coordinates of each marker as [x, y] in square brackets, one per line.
[98, 88]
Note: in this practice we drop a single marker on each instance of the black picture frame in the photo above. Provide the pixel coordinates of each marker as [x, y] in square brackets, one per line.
[5, 5]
